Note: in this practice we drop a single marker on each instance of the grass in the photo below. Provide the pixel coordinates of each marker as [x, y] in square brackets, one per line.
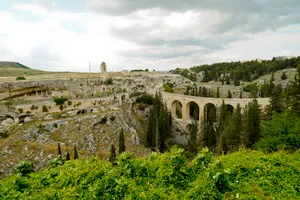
[16, 69]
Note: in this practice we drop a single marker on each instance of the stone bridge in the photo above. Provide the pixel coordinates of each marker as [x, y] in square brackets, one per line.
[184, 101]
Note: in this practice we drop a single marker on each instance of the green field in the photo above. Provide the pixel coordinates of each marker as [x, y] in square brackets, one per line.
[16, 69]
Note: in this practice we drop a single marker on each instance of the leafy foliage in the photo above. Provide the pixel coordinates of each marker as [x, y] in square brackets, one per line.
[19, 78]
[145, 99]
[60, 100]
[108, 81]
[246, 174]
[280, 132]
[24, 168]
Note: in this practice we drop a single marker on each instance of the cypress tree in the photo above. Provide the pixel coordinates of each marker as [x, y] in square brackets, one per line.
[277, 100]
[112, 155]
[150, 128]
[251, 123]
[58, 149]
[68, 156]
[294, 94]
[192, 147]
[75, 153]
[241, 94]
[218, 92]
[272, 77]
[229, 94]
[227, 80]
[122, 147]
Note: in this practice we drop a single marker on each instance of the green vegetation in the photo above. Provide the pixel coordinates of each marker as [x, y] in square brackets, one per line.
[281, 132]
[246, 71]
[186, 73]
[19, 78]
[122, 147]
[108, 81]
[244, 175]
[159, 125]
[168, 87]
[145, 99]
[45, 108]
[60, 100]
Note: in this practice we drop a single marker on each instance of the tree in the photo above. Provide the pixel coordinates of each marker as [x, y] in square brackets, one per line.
[294, 94]
[283, 76]
[121, 142]
[236, 81]
[218, 92]
[272, 77]
[251, 123]
[277, 103]
[227, 80]
[230, 139]
[229, 94]
[241, 94]
[68, 156]
[112, 155]
[192, 147]
[58, 149]
[75, 153]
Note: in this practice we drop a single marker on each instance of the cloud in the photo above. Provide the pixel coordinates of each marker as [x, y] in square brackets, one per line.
[48, 5]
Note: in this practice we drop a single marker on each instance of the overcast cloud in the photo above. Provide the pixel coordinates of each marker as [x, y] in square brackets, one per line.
[161, 35]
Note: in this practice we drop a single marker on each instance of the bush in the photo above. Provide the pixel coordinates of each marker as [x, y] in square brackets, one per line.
[242, 175]
[69, 103]
[103, 120]
[19, 78]
[3, 134]
[59, 100]
[28, 112]
[44, 109]
[24, 168]
[20, 110]
[61, 107]
[108, 81]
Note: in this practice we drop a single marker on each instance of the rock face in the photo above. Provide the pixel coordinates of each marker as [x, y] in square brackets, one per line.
[92, 133]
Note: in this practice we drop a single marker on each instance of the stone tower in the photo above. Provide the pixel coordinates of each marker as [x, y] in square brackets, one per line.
[103, 70]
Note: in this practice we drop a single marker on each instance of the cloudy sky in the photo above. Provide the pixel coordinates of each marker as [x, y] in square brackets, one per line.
[64, 35]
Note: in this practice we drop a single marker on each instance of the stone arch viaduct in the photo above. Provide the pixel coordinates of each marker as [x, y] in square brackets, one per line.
[185, 101]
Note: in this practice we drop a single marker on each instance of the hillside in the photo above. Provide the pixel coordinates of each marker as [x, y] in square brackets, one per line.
[17, 69]
[244, 174]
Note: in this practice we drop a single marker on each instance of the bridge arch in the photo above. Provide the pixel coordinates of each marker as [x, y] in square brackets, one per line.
[176, 109]
[210, 112]
[229, 108]
[192, 108]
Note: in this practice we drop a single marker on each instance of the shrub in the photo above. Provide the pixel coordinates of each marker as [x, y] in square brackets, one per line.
[61, 107]
[28, 112]
[57, 161]
[19, 78]
[168, 87]
[112, 118]
[44, 109]
[3, 134]
[24, 168]
[108, 81]
[60, 100]
[103, 120]
[145, 99]
[69, 103]
[20, 110]
[32, 107]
